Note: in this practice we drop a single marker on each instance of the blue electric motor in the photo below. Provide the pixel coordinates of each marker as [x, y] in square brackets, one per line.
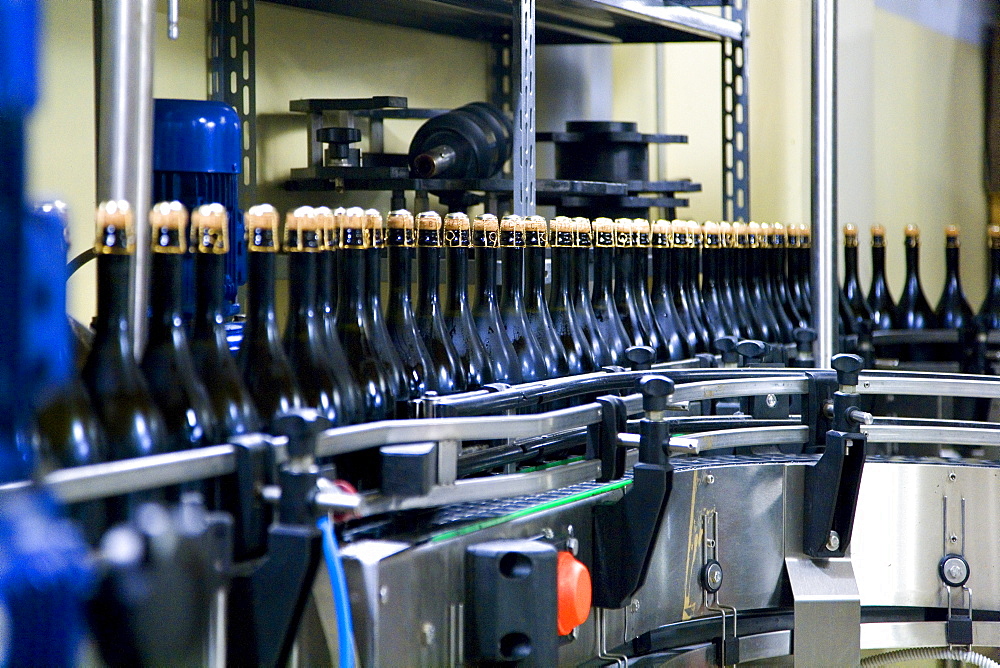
[196, 160]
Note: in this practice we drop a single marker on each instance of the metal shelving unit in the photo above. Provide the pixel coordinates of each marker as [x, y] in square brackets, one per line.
[513, 28]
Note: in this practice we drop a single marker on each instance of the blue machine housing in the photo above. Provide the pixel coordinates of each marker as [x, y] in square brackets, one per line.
[196, 160]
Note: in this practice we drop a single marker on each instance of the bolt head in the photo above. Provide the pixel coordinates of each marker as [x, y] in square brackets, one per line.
[833, 541]
[428, 632]
[709, 479]
[383, 594]
[771, 401]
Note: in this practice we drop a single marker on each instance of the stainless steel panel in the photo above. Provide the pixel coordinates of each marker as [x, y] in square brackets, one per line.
[899, 532]
[765, 646]
[827, 611]
[734, 438]
[928, 384]
[893, 635]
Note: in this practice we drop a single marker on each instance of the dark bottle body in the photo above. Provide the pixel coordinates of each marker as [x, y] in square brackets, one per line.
[535, 308]
[449, 376]
[580, 294]
[758, 297]
[852, 286]
[400, 319]
[392, 365]
[560, 302]
[740, 321]
[688, 273]
[304, 340]
[504, 365]
[626, 300]
[668, 342]
[953, 310]
[880, 302]
[990, 310]
[663, 286]
[913, 311]
[602, 299]
[530, 357]
[353, 326]
[458, 313]
[712, 301]
[232, 404]
[766, 271]
[669, 283]
[266, 369]
[167, 364]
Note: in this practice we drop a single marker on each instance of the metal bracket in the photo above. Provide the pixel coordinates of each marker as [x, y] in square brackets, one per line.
[239, 495]
[625, 535]
[711, 582]
[954, 571]
[604, 434]
[827, 609]
[831, 495]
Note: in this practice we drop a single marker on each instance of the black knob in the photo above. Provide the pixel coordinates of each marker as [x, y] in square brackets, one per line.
[847, 367]
[751, 349]
[804, 338]
[301, 426]
[338, 135]
[726, 347]
[655, 390]
[640, 357]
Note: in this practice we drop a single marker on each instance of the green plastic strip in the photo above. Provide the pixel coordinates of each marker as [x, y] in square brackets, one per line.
[542, 467]
[485, 524]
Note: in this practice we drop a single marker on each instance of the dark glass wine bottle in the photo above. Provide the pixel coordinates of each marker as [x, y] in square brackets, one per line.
[167, 364]
[392, 365]
[913, 311]
[880, 302]
[232, 404]
[132, 422]
[852, 286]
[560, 302]
[793, 240]
[684, 258]
[352, 403]
[755, 283]
[304, 339]
[583, 249]
[733, 299]
[669, 347]
[953, 311]
[767, 277]
[691, 255]
[504, 364]
[805, 264]
[267, 373]
[400, 319]
[602, 299]
[664, 284]
[990, 310]
[711, 298]
[539, 320]
[529, 355]
[782, 277]
[353, 320]
[626, 301]
[457, 310]
[430, 314]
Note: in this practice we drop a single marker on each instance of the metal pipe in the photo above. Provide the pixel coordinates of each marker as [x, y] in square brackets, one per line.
[125, 132]
[824, 172]
[523, 91]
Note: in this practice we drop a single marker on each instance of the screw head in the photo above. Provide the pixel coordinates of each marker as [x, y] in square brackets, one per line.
[383, 594]
[952, 477]
[954, 570]
[709, 479]
[712, 576]
[771, 401]
[833, 541]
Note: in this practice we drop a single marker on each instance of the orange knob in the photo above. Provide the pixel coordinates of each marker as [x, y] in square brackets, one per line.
[574, 592]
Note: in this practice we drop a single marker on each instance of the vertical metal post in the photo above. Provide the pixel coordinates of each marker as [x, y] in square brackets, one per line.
[735, 119]
[824, 183]
[232, 68]
[125, 132]
[524, 107]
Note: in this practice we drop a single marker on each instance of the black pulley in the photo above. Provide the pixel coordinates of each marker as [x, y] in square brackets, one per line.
[602, 151]
[473, 141]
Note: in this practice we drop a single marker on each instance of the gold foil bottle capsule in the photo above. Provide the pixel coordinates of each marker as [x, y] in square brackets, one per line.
[210, 229]
[604, 233]
[168, 222]
[376, 228]
[536, 233]
[993, 234]
[951, 236]
[912, 235]
[851, 235]
[428, 228]
[400, 226]
[727, 235]
[764, 236]
[302, 231]
[486, 231]
[457, 229]
[753, 235]
[779, 237]
[583, 231]
[641, 231]
[805, 236]
[512, 231]
[660, 234]
[261, 223]
[563, 232]
[115, 228]
[328, 229]
[623, 233]
[710, 232]
[739, 234]
[354, 232]
[695, 237]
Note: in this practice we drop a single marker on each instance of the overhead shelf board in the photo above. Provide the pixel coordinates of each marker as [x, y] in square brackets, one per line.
[556, 21]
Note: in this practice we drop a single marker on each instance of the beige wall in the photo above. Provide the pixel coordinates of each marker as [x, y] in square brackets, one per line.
[910, 110]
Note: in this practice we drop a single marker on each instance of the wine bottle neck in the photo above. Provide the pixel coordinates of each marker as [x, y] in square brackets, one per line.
[912, 262]
[534, 273]
[429, 261]
[373, 276]
[561, 271]
[458, 278]
[486, 267]
[603, 271]
[400, 269]
[302, 269]
[951, 262]
[512, 281]
[165, 300]
[209, 276]
[260, 289]
[112, 296]
[352, 285]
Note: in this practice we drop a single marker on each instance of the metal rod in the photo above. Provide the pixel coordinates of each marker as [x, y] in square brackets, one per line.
[824, 172]
[523, 76]
[125, 137]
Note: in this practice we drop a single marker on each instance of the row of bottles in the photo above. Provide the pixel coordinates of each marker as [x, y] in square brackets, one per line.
[913, 311]
[676, 286]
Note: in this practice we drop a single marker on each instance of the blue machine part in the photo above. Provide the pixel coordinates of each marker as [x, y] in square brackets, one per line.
[196, 160]
[18, 55]
[46, 574]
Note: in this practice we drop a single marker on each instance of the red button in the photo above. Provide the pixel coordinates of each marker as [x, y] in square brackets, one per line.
[574, 592]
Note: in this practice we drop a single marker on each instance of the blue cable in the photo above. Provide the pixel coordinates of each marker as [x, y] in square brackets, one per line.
[341, 602]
